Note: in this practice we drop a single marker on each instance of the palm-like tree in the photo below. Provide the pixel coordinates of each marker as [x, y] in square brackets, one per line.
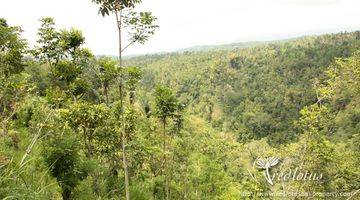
[267, 164]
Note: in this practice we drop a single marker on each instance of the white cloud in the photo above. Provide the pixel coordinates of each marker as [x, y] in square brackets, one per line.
[312, 2]
[184, 23]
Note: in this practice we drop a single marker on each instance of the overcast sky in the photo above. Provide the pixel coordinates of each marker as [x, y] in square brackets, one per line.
[185, 23]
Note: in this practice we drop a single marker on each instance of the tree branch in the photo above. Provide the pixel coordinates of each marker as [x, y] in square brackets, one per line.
[131, 43]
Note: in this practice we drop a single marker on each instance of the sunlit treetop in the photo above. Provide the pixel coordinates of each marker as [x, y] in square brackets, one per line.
[109, 6]
[3, 22]
[70, 40]
[12, 49]
[141, 25]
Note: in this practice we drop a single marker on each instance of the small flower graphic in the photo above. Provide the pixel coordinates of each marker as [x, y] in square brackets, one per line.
[267, 164]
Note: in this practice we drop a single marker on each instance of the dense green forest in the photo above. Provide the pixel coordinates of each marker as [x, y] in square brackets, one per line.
[184, 125]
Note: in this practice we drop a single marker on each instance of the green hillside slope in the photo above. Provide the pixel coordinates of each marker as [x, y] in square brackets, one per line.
[255, 92]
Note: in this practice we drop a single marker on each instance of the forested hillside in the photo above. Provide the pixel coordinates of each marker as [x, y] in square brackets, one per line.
[254, 92]
[189, 125]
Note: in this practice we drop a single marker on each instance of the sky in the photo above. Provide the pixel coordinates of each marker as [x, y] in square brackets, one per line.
[186, 23]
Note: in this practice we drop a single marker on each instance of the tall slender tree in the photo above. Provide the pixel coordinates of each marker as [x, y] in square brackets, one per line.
[166, 106]
[140, 27]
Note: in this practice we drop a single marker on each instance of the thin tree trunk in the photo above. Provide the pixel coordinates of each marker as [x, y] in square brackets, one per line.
[118, 19]
[66, 194]
[125, 166]
[165, 162]
[126, 174]
[186, 181]
[74, 99]
[106, 92]
[170, 164]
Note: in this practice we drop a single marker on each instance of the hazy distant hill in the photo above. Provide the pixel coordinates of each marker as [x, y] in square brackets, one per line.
[204, 48]
[231, 46]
